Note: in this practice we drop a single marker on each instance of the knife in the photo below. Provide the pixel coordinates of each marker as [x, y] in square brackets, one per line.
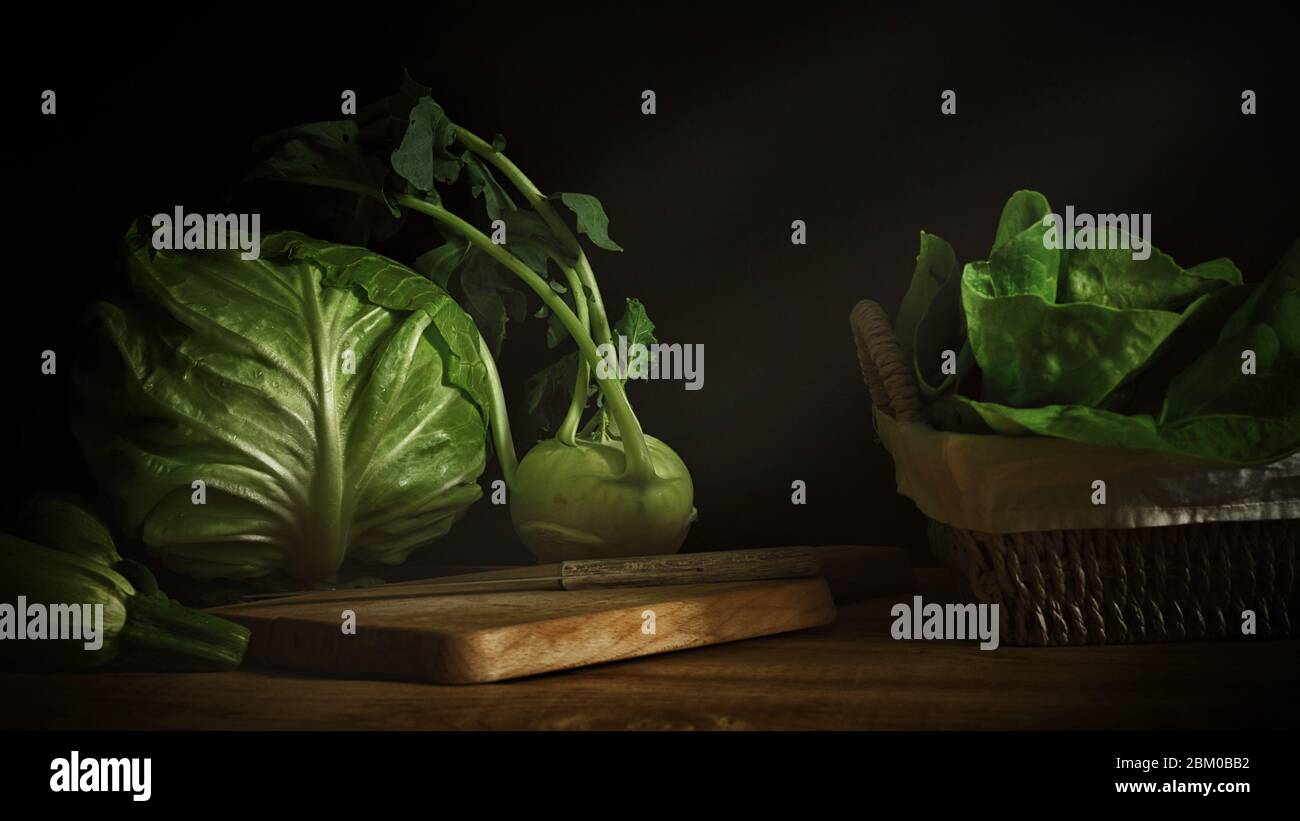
[580, 574]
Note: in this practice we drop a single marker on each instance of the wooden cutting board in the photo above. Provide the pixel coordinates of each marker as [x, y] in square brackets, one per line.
[409, 633]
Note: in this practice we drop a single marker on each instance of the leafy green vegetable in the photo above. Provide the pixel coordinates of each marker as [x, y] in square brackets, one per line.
[531, 240]
[63, 524]
[489, 298]
[635, 325]
[591, 219]
[483, 183]
[422, 154]
[332, 150]
[635, 328]
[140, 631]
[1096, 346]
[546, 393]
[931, 320]
[936, 266]
[549, 390]
[440, 263]
[332, 402]
[1032, 352]
[1023, 211]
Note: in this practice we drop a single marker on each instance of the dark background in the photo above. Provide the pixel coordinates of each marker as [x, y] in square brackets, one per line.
[829, 114]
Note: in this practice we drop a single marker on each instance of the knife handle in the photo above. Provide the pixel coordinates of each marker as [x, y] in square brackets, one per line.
[690, 568]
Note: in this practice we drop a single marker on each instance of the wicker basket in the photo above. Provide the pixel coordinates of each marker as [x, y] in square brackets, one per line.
[1151, 584]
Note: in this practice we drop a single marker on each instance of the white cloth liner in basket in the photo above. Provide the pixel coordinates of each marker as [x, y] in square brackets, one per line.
[1000, 484]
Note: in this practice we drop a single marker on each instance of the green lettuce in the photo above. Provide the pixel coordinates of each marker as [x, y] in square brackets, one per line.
[1095, 346]
[332, 403]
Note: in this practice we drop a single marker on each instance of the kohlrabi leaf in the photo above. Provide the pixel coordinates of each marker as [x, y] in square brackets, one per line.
[529, 239]
[422, 158]
[592, 220]
[490, 297]
[547, 392]
[555, 331]
[635, 326]
[318, 404]
[329, 154]
[385, 121]
[441, 262]
[483, 183]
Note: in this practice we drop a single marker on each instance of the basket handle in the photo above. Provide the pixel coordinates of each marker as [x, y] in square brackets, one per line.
[888, 377]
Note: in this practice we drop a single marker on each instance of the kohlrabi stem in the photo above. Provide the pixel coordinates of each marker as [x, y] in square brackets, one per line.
[635, 449]
[568, 432]
[539, 202]
[499, 418]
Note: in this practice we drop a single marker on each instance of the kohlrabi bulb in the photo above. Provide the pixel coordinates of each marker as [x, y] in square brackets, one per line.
[578, 502]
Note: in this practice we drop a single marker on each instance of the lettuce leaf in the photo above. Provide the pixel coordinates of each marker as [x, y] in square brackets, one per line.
[1095, 346]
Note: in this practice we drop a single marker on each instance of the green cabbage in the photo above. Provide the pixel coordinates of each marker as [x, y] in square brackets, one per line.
[332, 402]
[1098, 347]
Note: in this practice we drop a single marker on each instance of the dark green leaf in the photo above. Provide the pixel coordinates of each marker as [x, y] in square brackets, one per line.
[422, 157]
[439, 263]
[326, 150]
[529, 239]
[936, 265]
[1098, 347]
[385, 121]
[1276, 303]
[592, 220]
[490, 297]
[547, 392]
[324, 153]
[63, 523]
[635, 326]
[555, 332]
[484, 184]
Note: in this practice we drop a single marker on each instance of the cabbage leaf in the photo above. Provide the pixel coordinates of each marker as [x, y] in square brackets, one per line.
[332, 403]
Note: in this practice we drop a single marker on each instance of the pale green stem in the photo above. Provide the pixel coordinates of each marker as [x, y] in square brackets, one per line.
[635, 449]
[599, 319]
[567, 434]
[500, 419]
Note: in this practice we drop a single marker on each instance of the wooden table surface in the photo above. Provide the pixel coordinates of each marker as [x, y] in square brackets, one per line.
[847, 675]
